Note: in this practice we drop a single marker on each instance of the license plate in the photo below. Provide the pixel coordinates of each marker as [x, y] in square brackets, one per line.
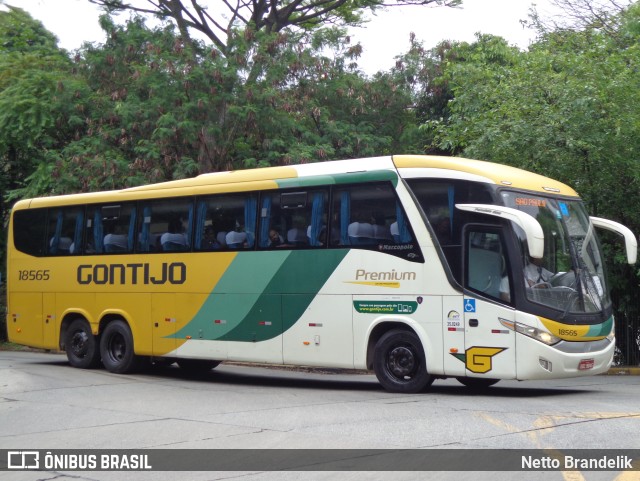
[586, 364]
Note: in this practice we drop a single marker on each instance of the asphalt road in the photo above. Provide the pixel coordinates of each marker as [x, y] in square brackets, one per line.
[47, 405]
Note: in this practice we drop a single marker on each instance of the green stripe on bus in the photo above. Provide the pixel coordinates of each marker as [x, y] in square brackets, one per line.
[262, 294]
[600, 329]
[336, 179]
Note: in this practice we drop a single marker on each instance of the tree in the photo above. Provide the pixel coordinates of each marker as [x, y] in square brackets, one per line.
[217, 21]
[566, 109]
[158, 114]
[579, 15]
[38, 93]
[30, 67]
[34, 112]
[267, 88]
[421, 72]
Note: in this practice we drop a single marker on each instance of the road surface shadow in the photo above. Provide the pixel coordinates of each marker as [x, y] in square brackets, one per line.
[237, 374]
[310, 378]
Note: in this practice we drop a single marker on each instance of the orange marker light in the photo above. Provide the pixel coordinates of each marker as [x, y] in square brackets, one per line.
[453, 349]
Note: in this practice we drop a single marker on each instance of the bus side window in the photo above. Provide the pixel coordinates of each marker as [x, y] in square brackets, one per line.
[273, 226]
[110, 229]
[226, 221]
[316, 225]
[165, 225]
[368, 215]
[64, 231]
[293, 219]
[486, 265]
[29, 230]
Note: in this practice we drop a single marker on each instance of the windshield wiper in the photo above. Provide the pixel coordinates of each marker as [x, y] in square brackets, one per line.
[577, 273]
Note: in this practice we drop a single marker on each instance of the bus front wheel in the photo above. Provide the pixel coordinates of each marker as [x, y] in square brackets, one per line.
[81, 345]
[399, 362]
[116, 348]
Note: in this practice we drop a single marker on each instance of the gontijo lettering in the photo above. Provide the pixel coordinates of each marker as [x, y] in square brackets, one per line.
[135, 273]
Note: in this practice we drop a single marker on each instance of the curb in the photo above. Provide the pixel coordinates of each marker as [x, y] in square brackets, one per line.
[624, 371]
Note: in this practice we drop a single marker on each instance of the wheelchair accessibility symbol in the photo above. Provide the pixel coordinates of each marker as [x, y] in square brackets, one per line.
[469, 305]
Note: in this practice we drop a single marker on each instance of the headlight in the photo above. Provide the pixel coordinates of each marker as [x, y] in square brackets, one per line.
[533, 332]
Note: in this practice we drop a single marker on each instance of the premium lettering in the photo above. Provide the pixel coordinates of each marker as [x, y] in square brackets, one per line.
[392, 275]
[142, 273]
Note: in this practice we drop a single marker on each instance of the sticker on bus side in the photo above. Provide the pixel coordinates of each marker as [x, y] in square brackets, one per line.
[385, 307]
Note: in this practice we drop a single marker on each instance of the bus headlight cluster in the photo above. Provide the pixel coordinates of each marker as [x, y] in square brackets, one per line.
[533, 332]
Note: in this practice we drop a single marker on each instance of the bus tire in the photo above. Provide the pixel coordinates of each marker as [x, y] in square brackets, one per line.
[197, 365]
[116, 348]
[400, 364]
[477, 383]
[81, 346]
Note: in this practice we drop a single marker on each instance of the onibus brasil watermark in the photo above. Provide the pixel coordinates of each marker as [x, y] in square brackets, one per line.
[35, 460]
[321, 459]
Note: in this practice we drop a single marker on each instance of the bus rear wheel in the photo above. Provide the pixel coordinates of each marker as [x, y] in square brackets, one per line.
[116, 348]
[399, 362]
[81, 345]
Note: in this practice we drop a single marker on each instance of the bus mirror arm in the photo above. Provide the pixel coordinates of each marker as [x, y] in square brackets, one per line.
[630, 241]
[531, 227]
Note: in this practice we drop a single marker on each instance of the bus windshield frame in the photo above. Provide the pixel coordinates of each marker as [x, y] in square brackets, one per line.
[570, 276]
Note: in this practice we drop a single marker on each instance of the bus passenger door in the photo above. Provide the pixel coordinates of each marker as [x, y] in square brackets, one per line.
[489, 344]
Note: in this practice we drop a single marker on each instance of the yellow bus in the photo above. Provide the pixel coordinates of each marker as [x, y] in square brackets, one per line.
[415, 267]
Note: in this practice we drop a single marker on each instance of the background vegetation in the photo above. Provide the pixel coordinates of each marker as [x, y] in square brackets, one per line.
[278, 82]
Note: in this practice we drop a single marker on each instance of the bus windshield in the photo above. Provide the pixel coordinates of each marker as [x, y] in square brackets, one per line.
[570, 276]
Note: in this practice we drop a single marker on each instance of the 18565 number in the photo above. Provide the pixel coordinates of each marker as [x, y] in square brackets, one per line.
[34, 275]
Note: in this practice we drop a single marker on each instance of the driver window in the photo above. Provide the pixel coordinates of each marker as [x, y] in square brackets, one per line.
[486, 268]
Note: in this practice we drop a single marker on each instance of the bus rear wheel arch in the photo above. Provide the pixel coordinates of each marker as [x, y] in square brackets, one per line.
[116, 348]
[400, 363]
[81, 346]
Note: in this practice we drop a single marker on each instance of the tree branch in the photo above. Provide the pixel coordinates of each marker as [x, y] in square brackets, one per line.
[270, 15]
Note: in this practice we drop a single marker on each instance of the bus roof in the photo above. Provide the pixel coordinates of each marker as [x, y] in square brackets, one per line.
[493, 173]
[275, 177]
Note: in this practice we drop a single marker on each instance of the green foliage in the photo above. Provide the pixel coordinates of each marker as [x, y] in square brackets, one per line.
[421, 72]
[32, 74]
[157, 112]
[566, 108]
[20, 33]
[148, 107]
